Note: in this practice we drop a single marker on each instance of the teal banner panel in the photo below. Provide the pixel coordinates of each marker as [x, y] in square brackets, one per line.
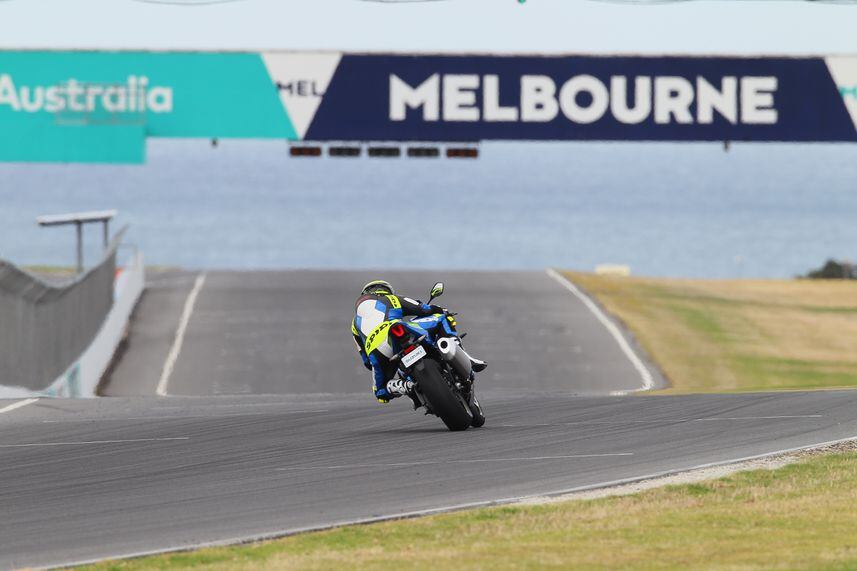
[104, 104]
[76, 144]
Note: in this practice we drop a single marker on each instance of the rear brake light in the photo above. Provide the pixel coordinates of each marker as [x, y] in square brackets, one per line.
[409, 349]
[397, 330]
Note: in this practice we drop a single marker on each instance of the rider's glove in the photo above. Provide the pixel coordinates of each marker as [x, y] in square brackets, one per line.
[436, 309]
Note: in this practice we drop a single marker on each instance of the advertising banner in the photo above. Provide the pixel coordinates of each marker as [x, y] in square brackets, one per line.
[101, 106]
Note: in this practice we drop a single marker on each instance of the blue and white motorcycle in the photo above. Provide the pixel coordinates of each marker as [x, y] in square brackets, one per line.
[429, 353]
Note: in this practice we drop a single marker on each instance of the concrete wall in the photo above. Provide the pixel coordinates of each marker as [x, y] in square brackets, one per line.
[44, 328]
[83, 376]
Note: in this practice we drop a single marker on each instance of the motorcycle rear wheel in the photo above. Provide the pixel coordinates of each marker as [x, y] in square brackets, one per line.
[443, 401]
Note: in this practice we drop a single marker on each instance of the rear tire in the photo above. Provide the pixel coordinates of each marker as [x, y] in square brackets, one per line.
[441, 398]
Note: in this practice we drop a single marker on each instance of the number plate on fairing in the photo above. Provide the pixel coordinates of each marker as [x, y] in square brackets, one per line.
[414, 356]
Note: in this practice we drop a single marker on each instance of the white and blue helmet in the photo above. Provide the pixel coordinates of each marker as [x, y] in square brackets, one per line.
[378, 287]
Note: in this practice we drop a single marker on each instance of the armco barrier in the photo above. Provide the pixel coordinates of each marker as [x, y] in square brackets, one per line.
[54, 338]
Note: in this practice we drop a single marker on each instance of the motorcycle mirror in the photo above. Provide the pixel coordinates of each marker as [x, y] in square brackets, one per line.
[436, 291]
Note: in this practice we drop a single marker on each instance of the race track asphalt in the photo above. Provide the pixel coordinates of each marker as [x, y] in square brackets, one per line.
[288, 332]
[89, 479]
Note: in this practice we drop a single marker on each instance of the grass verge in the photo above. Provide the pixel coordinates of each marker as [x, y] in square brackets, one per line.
[801, 516]
[739, 335]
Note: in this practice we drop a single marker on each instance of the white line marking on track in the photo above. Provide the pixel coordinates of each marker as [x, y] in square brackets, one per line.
[211, 406]
[84, 443]
[173, 355]
[16, 405]
[471, 461]
[775, 417]
[660, 421]
[174, 417]
[212, 416]
[645, 374]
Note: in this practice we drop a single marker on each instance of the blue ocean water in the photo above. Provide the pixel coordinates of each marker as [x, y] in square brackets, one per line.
[762, 210]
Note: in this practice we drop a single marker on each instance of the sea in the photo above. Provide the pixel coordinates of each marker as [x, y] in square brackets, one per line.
[683, 210]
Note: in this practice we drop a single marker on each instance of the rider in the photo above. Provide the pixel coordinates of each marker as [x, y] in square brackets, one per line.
[377, 304]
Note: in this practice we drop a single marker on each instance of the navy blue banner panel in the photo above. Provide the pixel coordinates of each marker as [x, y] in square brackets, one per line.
[473, 98]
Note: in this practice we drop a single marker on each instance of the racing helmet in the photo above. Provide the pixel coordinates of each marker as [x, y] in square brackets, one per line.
[378, 287]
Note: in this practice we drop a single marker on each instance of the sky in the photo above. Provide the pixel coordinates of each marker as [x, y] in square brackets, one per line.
[553, 26]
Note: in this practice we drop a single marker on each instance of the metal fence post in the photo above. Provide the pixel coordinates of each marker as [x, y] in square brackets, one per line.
[79, 227]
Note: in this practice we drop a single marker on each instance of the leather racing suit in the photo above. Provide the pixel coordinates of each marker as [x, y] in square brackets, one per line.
[371, 310]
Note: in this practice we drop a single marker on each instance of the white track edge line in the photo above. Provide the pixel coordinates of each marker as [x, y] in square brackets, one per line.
[645, 374]
[176, 348]
[444, 462]
[454, 508]
[92, 442]
[16, 405]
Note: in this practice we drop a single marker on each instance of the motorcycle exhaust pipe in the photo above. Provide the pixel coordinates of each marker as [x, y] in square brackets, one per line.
[452, 352]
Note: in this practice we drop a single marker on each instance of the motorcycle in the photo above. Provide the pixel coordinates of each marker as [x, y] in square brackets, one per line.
[429, 353]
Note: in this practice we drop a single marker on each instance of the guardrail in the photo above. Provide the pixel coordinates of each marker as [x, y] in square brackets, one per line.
[59, 339]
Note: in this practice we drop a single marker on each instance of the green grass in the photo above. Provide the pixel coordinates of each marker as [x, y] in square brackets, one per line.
[802, 516]
[739, 335]
[794, 373]
[53, 271]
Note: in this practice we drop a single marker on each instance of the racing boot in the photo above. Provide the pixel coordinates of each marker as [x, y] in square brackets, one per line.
[477, 365]
[399, 387]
